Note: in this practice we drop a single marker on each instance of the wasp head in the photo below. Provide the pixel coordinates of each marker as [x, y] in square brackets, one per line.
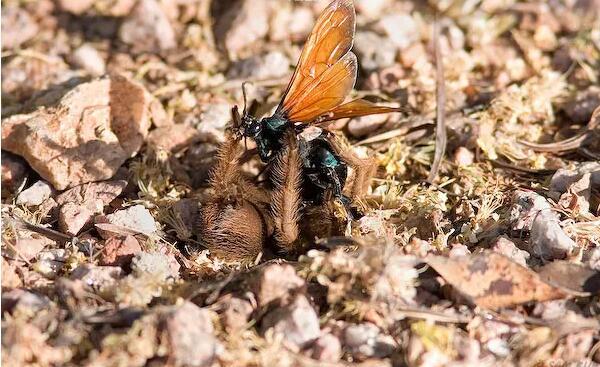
[252, 126]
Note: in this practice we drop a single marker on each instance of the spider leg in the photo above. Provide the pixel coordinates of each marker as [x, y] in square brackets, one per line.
[226, 178]
[225, 175]
[286, 198]
[364, 169]
[231, 223]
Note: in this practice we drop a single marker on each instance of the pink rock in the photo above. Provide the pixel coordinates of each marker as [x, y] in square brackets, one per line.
[169, 254]
[362, 126]
[374, 51]
[119, 250]
[531, 211]
[526, 206]
[577, 197]
[463, 157]
[548, 239]
[577, 346]
[93, 194]
[291, 23]
[235, 312]
[418, 247]
[401, 29]
[72, 218]
[75, 6]
[564, 177]
[458, 250]
[158, 263]
[35, 194]
[545, 38]
[366, 340]
[372, 8]
[147, 28]
[94, 128]
[117, 8]
[28, 248]
[132, 220]
[23, 77]
[297, 323]
[271, 65]
[388, 79]
[17, 27]
[89, 59]
[14, 170]
[275, 281]
[508, 248]
[413, 54]
[327, 349]
[97, 278]
[241, 25]
[10, 278]
[173, 138]
[553, 310]
[189, 332]
[214, 119]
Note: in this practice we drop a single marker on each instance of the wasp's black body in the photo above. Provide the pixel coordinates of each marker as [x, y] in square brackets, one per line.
[324, 169]
[267, 133]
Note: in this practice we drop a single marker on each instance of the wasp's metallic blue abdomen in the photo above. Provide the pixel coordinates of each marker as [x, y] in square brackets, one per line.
[326, 158]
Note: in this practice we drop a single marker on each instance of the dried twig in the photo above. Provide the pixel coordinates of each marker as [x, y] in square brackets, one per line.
[571, 143]
[425, 314]
[530, 171]
[414, 122]
[46, 232]
[441, 138]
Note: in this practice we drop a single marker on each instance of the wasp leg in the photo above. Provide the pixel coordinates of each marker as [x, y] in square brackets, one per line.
[286, 198]
[334, 177]
[304, 149]
[263, 150]
[335, 180]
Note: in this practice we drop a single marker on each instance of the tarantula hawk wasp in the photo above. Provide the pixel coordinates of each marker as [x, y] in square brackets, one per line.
[325, 74]
[307, 161]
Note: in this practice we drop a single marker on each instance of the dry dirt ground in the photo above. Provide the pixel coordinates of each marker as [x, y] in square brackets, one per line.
[112, 114]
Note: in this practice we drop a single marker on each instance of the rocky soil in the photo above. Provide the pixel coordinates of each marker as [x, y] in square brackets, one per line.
[112, 114]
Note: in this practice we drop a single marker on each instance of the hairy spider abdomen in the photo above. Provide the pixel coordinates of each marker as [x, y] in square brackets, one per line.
[232, 232]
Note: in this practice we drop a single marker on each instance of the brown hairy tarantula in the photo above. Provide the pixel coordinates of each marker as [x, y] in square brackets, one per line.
[241, 217]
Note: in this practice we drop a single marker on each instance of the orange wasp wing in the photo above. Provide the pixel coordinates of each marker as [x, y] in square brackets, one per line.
[329, 90]
[326, 71]
[356, 108]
